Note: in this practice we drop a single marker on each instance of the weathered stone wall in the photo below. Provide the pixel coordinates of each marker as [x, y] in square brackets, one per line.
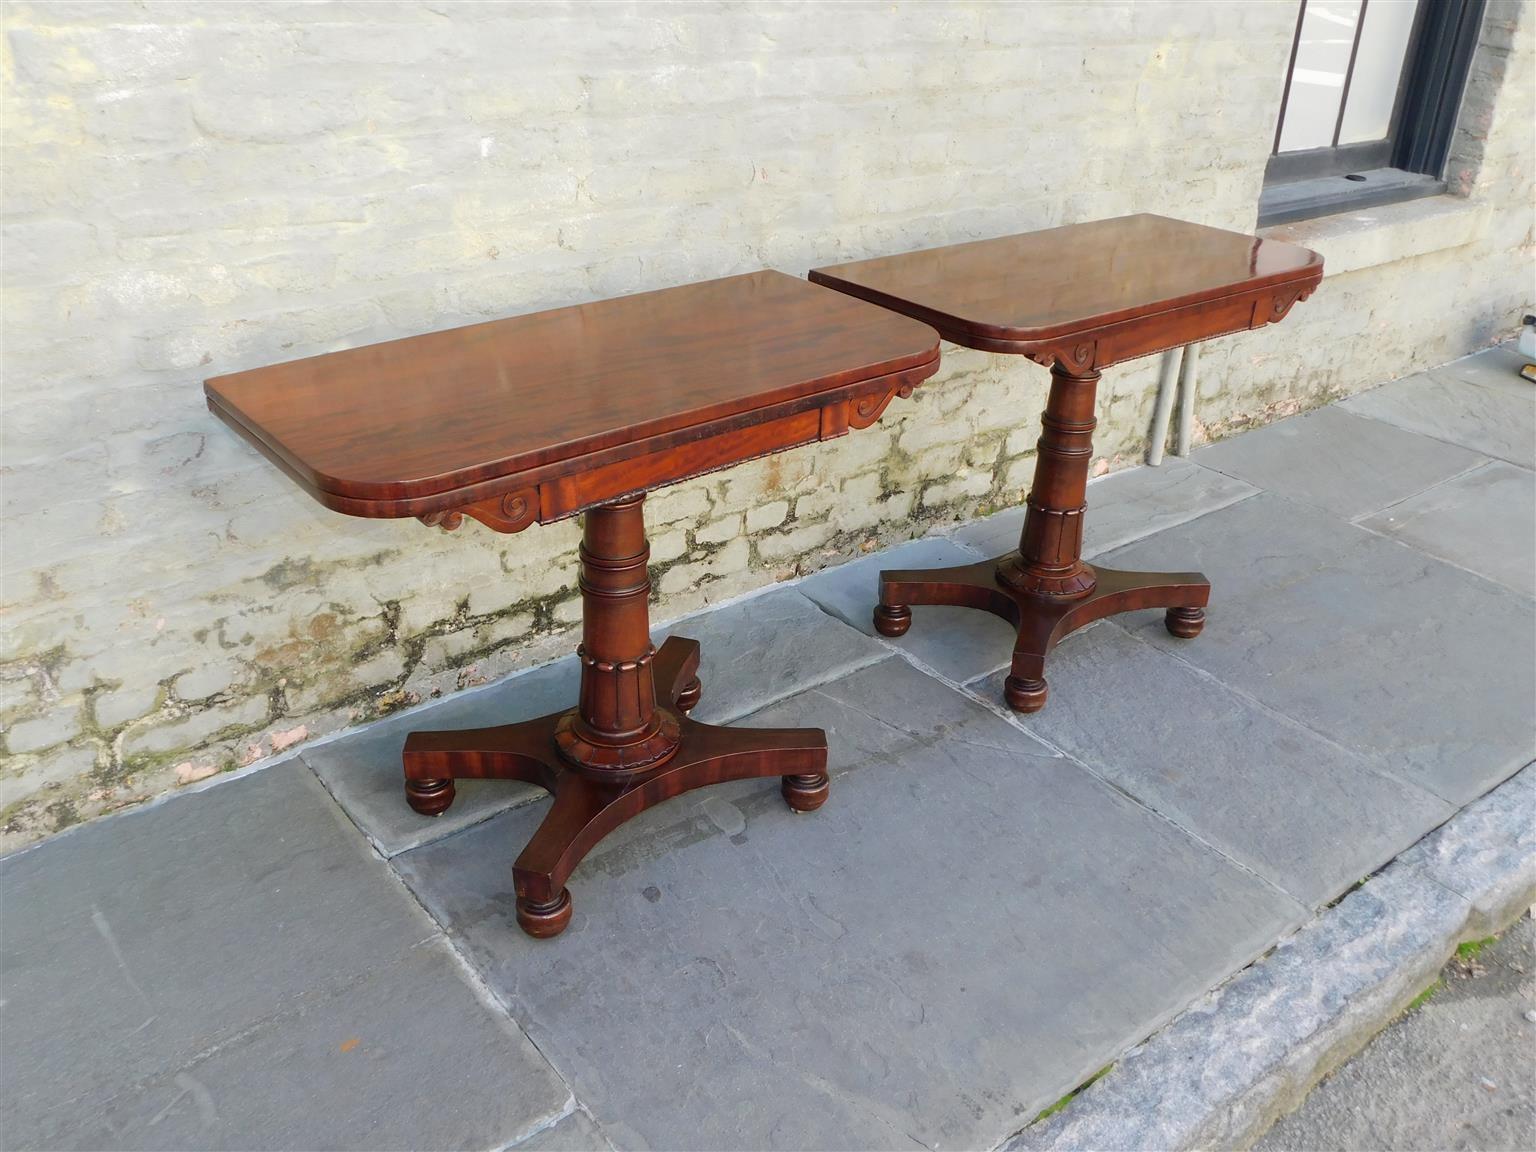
[193, 189]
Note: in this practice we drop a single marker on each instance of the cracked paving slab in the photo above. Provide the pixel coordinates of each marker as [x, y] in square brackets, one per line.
[199, 974]
[969, 927]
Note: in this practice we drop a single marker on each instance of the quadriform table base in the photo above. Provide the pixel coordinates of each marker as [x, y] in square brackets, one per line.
[1044, 588]
[627, 746]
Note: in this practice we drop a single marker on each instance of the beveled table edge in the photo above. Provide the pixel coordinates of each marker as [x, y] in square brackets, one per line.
[1024, 341]
[848, 399]
[606, 445]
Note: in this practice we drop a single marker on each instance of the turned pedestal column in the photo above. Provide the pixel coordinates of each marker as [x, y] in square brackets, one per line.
[626, 746]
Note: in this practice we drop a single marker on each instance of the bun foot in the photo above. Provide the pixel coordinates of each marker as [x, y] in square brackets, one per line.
[805, 793]
[541, 921]
[429, 797]
[689, 696]
[1184, 623]
[1025, 695]
[892, 619]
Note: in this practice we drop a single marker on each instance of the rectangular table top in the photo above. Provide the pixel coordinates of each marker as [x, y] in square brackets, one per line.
[1043, 287]
[433, 414]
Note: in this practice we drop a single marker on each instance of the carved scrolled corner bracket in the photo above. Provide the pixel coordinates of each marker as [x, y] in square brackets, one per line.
[509, 512]
[1075, 359]
[1282, 302]
[866, 409]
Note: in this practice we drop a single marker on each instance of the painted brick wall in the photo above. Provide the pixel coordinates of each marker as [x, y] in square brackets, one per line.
[193, 189]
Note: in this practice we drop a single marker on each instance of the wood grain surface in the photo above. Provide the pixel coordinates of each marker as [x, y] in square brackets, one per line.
[446, 411]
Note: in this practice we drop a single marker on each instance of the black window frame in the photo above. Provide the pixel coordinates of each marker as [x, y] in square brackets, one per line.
[1410, 160]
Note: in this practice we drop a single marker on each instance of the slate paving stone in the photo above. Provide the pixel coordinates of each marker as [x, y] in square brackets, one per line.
[575, 1133]
[968, 928]
[1400, 657]
[960, 643]
[1497, 367]
[236, 969]
[1231, 772]
[1495, 421]
[1484, 521]
[1344, 464]
[363, 771]
[1123, 506]
[762, 649]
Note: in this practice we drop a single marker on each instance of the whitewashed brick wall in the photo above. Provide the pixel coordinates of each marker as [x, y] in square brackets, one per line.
[197, 188]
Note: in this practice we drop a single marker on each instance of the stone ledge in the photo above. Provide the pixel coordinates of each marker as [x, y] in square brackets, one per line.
[1248, 1052]
[1350, 241]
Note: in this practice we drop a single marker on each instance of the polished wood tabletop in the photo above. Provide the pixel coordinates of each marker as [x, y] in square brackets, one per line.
[419, 424]
[1016, 293]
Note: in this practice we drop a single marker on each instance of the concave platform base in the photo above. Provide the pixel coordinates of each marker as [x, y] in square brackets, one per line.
[1042, 621]
[586, 809]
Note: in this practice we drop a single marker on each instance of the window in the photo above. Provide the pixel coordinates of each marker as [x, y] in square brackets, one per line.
[1370, 103]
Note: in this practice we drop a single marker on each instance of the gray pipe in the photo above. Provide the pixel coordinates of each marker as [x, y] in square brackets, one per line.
[1164, 407]
[1188, 379]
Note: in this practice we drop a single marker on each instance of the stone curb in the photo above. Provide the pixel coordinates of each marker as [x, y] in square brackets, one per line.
[1249, 1051]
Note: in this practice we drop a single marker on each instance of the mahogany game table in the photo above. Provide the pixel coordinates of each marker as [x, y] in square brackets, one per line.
[585, 409]
[1076, 299]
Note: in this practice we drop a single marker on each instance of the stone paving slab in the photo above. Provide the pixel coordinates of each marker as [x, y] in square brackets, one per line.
[1495, 421]
[1345, 464]
[958, 643]
[1484, 521]
[1420, 666]
[1497, 367]
[1232, 772]
[363, 770]
[1250, 1050]
[970, 926]
[236, 969]
[575, 1133]
[768, 647]
[1123, 506]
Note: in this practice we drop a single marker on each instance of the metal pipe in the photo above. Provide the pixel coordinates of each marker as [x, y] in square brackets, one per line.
[1188, 379]
[1164, 408]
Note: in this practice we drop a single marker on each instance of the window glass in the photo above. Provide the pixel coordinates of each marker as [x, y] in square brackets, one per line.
[1378, 65]
[1317, 80]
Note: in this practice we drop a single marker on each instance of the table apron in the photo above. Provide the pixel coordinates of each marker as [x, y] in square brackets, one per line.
[568, 495]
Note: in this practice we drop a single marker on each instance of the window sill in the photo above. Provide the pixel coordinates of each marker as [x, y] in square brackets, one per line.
[1332, 194]
[1366, 238]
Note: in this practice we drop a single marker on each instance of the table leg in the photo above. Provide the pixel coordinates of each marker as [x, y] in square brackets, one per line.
[1044, 588]
[619, 751]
